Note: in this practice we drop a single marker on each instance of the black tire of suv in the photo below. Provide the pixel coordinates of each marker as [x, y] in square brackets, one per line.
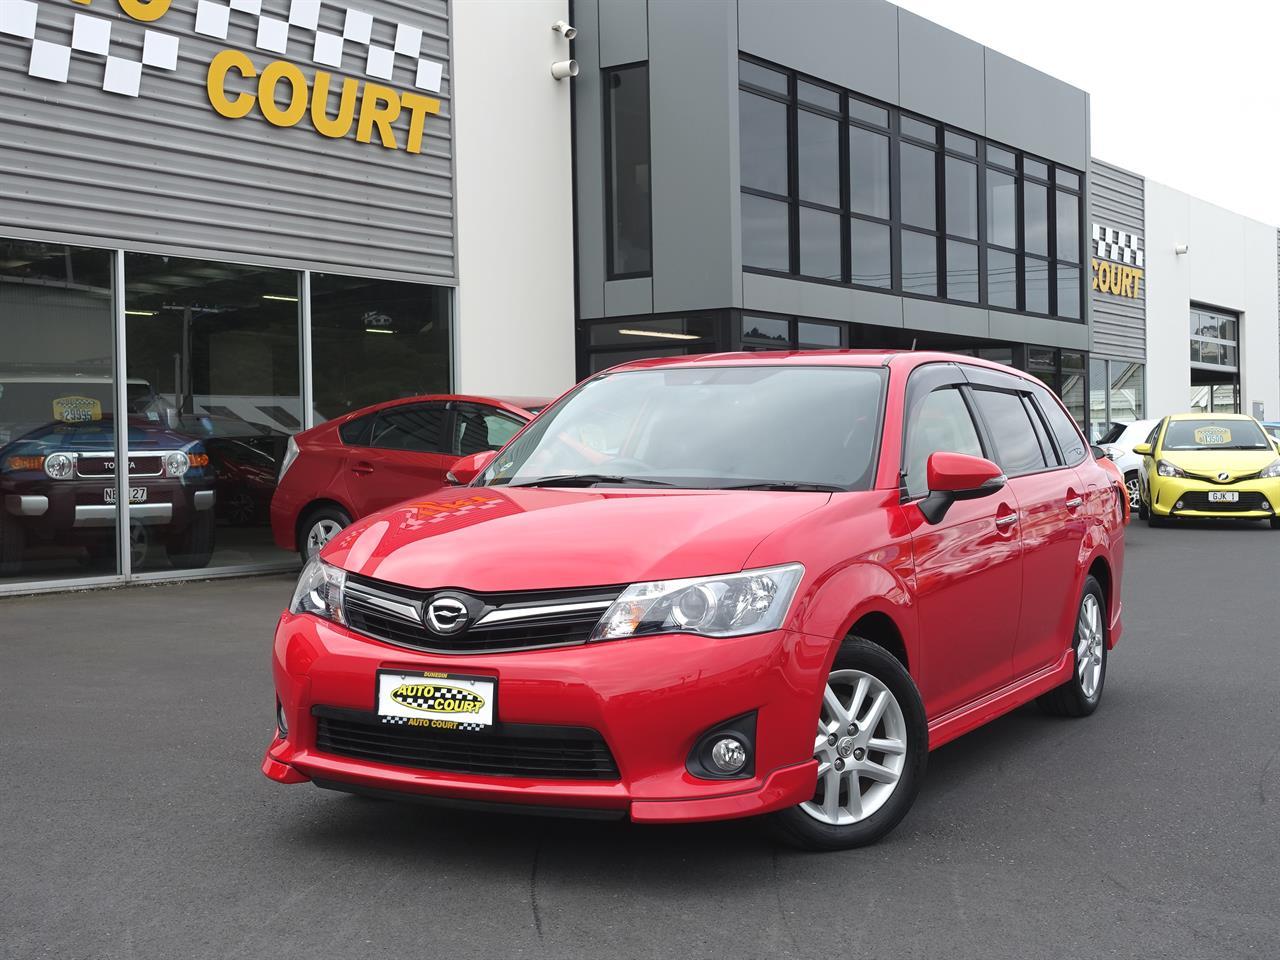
[193, 547]
[1069, 700]
[796, 828]
[12, 540]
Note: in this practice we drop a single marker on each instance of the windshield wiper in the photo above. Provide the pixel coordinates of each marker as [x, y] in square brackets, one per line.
[785, 485]
[589, 480]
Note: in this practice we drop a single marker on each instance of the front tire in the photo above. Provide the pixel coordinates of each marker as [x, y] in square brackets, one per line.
[1133, 487]
[1080, 695]
[872, 744]
[192, 549]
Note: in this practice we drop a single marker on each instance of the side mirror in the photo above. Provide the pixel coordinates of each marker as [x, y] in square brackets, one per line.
[1142, 449]
[958, 476]
[1099, 453]
[468, 468]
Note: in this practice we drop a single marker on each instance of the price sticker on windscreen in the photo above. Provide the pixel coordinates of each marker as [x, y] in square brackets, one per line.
[76, 409]
[1212, 436]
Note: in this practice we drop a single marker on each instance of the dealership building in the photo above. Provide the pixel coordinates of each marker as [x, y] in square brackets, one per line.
[228, 220]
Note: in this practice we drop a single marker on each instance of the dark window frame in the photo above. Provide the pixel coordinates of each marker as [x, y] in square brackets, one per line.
[607, 108]
[1058, 178]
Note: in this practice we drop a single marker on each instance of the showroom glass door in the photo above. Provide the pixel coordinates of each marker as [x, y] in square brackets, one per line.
[59, 499]
[215, 391]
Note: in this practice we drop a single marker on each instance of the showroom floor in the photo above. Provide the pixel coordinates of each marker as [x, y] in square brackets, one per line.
[134, 821]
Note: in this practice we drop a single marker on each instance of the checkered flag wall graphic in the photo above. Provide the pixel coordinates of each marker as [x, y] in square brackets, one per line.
[1118, 245]
[298, 36]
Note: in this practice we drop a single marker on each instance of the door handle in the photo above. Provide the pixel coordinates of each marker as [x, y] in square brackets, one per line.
[1006, 520]
[362, 468]
[1074, 502]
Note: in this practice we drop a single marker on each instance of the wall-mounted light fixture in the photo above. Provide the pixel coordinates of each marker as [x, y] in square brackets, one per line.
[564, 69]
[561, 27]
[1181, 249]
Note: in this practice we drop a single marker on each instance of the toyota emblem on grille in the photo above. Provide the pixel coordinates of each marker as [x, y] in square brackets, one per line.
[1224, 476]
[446, 615]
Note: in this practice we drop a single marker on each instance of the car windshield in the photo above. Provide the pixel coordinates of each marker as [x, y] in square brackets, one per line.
[1113, 434]
[1214, 435]
[756, 425]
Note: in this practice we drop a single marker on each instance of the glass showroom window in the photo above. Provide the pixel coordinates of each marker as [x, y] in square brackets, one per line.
[1067, 246]
[773, 332]
[818, 163]
[870, 195]
[1002, 227]
[58, 493]
[962, 222]
[766, 181]
[635, 338]
[375, 340]
[1128, 394]
[213, 355]
[918, 205]
[630, 247]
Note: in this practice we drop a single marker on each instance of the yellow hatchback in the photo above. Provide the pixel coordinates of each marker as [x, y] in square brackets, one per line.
[1209, 465]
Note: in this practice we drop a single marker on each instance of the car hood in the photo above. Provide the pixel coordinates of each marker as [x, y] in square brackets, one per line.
[498, 538]
[1209, 463]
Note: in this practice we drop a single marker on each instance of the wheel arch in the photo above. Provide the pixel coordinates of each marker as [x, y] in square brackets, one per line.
[311, 507]
[1100, 570]
[879, 628]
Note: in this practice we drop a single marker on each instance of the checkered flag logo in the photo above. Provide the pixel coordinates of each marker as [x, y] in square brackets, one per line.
[1118, 245]
[298, 36]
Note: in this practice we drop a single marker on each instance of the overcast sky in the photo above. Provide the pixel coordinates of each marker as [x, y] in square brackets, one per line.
[1186, 92]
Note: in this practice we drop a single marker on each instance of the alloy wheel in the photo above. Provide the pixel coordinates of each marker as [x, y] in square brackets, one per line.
[1135, 492]
[861, 748]
[1089, 643]
[321, 532]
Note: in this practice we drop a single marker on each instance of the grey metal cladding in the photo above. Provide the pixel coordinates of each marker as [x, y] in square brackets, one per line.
[163, 171]
[1033, 111]
[856, 47]
[940, 73]
[1119, 323]
[624, 32]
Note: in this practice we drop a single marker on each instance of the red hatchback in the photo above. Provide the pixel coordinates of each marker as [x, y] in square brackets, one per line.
[349, 467]
[714, 587]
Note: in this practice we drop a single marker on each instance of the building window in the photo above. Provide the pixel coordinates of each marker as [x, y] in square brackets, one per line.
[374, 340]
[759, 331]
[616, 341]
[1128, 395]
[630, 246]
[901, 202]
[1215, 360]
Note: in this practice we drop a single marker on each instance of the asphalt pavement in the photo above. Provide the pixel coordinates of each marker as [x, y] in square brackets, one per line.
[134, 822]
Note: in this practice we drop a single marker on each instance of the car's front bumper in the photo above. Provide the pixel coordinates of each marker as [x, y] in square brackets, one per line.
[53, 507]
[650, 700]
[1189, 497]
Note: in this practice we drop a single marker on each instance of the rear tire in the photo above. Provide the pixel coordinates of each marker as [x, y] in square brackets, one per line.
[318, 527]
[1134, 490]
[1080, 695]
[193, 547]
[882, 754]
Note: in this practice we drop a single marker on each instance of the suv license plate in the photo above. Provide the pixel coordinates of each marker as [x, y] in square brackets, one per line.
[136, 494]
[441, 701]
[1223, 496]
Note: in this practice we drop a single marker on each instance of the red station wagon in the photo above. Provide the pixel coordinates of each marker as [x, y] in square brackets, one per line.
[712, 587]
[348, 467]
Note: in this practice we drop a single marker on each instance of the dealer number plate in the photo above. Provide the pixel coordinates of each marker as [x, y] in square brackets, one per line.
[136, 494]
[441, 701]
[1223, 496]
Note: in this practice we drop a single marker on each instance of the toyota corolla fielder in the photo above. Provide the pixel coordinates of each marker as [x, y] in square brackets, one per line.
[714, 587]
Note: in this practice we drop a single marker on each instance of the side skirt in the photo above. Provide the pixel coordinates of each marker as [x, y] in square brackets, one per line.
[960, 721]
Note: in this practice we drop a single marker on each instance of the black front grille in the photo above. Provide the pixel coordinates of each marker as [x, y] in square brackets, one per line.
[512, 750]
[396, 614]
[1199, 500]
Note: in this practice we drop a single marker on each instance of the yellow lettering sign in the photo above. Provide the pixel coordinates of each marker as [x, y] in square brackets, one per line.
[1116, 279]
[147, 11]
[285, 94]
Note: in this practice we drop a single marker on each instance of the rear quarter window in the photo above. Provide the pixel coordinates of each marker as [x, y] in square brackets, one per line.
[1070, 442]
[356, 432]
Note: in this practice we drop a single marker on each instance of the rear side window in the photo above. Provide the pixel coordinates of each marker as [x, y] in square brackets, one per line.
[356, 432]
[418, 428]
[941, 423]
[1070, 442]
[1018, 449]
[478, 428]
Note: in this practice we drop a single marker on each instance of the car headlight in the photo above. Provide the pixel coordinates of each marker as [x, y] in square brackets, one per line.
[176, 464]
[1167, 469]
[754, 601]
[59, 466]
[319, 591]
[1271, 470]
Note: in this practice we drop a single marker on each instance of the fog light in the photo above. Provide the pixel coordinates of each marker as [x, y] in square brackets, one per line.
[281, 723]
[1178, 505]
[729, 755]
